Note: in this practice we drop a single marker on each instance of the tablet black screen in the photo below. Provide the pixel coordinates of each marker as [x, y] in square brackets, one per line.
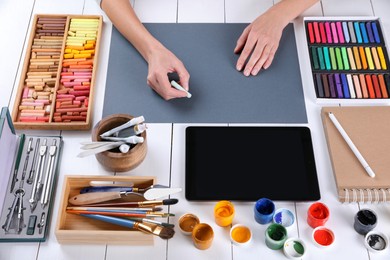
[248, 163]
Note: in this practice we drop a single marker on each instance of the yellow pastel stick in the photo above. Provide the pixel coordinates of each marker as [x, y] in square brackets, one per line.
[84, 20]
[369, 58]
[68, 55]
[84, 55]
[382, 58]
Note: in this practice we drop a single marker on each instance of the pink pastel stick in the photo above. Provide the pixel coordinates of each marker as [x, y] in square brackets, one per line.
[328, 32]
[340, 32]
[65, 96]
[334, 32]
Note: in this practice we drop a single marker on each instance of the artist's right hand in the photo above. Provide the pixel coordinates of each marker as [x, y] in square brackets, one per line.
[161, 62]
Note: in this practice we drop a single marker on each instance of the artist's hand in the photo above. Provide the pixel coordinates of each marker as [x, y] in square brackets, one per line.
[258, 43]
[161, 62]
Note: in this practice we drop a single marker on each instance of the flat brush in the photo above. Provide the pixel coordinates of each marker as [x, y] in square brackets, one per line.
[121, 214]
[162, 232]
[141, 204]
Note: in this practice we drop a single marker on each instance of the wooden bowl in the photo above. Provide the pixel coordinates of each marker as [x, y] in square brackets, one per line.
[114, 160]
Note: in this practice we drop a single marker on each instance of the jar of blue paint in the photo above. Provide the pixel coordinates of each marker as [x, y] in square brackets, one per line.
[264, 210]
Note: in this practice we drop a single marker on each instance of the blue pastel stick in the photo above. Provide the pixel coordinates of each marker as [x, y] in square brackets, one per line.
[327, 58]
[376, 32]
[346, 33]
[364, 32]
[357, 31]
[339, 86]
[369, 32]
[331, 86]
[344, 81]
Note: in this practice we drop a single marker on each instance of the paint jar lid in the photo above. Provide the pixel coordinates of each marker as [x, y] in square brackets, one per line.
[376, 241]
[322, 236]
[294, 248]
[187, 222]
[284, 217]
[240, 234]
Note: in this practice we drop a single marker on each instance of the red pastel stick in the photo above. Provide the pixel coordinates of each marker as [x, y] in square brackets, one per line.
[323, 34]
[311, 32]
[370, 88]
[376, 86]
[317, 32]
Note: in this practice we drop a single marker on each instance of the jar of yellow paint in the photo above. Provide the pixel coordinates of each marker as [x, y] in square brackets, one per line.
[224, 213]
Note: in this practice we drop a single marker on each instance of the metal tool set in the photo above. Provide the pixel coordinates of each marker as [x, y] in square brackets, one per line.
[30, 189]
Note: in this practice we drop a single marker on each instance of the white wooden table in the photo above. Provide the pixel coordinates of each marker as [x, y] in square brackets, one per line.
[165, 157]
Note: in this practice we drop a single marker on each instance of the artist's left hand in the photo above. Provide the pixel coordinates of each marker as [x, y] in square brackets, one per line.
[258, 43]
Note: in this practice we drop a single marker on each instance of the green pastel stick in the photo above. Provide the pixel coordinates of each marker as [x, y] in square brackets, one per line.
[321, 58]
[345, 58]
[327, 58]
[333, 58]
[339, 59]
[314, 58]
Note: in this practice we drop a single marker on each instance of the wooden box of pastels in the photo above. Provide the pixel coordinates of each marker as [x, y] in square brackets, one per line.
[57, 82]
[349, 59]
[76, 224]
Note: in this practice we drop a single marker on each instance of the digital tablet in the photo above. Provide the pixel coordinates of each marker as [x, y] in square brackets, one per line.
[248, 163]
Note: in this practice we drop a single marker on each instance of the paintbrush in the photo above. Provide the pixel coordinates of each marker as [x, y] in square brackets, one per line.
[163, 232]
[152, 221]
[123, 209]
[141, 204]
[122, 214]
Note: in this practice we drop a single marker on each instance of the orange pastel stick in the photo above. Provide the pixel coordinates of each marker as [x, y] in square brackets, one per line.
[87, 62]
[370, 87]
[363, 58]
[67, 64]
[80, 66]
[382, 84]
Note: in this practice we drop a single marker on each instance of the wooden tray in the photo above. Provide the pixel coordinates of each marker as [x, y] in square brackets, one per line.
[40, 102]
[74, 229]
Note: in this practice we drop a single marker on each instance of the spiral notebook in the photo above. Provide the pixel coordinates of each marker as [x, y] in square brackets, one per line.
[369, 130]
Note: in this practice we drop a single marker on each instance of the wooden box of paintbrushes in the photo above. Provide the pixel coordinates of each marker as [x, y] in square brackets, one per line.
[57, 81]
[74, 227]
[28, 177]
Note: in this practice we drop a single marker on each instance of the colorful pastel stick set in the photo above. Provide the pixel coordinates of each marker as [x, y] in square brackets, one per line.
[349, 59]
[55, 91]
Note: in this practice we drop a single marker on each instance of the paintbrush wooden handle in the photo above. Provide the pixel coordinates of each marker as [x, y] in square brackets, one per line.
[94, 197]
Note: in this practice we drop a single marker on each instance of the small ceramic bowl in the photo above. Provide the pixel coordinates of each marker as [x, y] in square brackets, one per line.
[376, 241]
[294, 248]
[323, 237]
[284, 217]
[187, 222]
[115, 160]
[240, 235]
